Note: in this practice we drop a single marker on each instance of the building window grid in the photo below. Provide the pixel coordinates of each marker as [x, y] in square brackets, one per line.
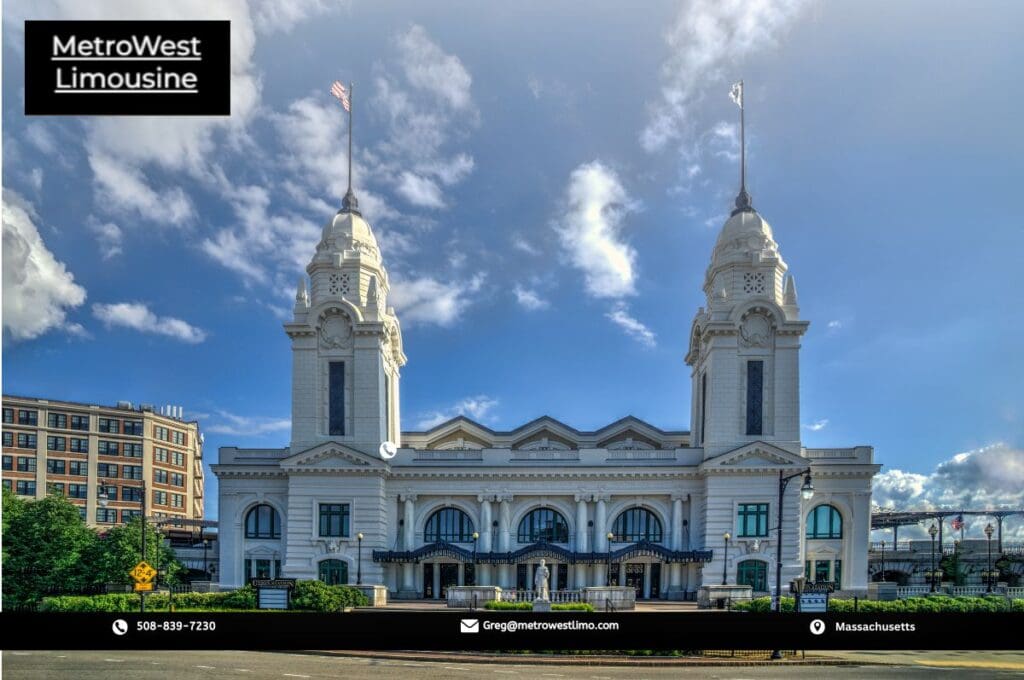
[131, 472]
[106, 470]
[334, 519]
[824, 521]
[28, 417]
[56, 466]
[77, 445]
[8, 415]
[26, 440]
[160, 476]
[25, 487]
[450, 525]
[131, 450]
[56, 488]
[752, 519]
[752, 573]
[106, 515]
[332, 572]
[109, 425]
[107, 448]
[79, 422]
[263, 521]
[9, 439]
[26, 464]
[637, 524]
[56, 443]
[160, 454]
[8, 462]
[133, 427]
[543, 524]
[177, 479]
[57, 420]
[78, 491]
[159, 497]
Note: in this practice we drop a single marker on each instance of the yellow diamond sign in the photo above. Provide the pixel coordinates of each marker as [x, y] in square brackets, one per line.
[142, 572]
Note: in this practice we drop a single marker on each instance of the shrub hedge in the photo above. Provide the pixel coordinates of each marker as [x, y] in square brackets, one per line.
[528, 606]
[937, 603]
[307, 596]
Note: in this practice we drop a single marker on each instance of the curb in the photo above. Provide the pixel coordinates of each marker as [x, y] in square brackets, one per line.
[579, 660]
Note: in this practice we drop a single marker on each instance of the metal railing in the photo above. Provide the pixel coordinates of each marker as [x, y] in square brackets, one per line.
[912, 591]
[556, 596]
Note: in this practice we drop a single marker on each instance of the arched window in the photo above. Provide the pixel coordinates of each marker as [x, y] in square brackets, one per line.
[543, 524]
[637, 524]
[334, 572]
[753, 573]
[263, 522]
[824, 521]
[450, 525]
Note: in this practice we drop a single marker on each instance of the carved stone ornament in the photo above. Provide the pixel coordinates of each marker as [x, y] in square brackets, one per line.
[335, 332]
[755, 331]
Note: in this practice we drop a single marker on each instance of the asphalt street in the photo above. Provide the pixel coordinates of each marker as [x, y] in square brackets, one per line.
[171, 665]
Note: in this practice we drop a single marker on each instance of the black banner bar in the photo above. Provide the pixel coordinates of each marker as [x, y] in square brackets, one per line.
[487, 630]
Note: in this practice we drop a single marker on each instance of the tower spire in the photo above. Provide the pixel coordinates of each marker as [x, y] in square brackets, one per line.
[743, 201]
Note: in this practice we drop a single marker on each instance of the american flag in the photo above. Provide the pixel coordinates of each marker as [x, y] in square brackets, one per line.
[339, 91]
[957, 523]
[736, 94]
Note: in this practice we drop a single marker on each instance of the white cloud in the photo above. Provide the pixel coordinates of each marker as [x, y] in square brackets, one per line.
[419, 191]
[520, 243]
[725, 140]
[428, 68]
[35, 178]
[109, 238]
[425, 300]
[124, 187]
[817, 425]
[477, 408]
[38, 290]
[137, 316]
[989, 477]
[282, 15]
[529, 299]
[707, 38]
[590, 227]
[635, 329]
[39, 136]
[245, 426]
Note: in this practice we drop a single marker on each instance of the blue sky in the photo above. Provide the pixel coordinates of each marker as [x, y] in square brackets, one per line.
[547, 185]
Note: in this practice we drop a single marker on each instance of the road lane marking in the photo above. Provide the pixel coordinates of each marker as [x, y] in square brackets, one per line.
[209, 668]
[243, 670]
[114, 660]
[294, 675]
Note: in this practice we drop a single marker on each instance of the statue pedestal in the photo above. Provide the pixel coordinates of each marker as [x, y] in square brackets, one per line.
[541, 605]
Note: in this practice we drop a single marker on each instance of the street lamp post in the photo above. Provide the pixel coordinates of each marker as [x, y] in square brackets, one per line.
[359, 564]
[725, 558]
[806, 492]
[206, 568]
[609, 536]
[988, 534]
[102, 499]
[476, 537]
[932, 530]
[883, 561]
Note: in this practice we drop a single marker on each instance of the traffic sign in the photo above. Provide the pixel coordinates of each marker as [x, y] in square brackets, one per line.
[142, 572]
[142, 587]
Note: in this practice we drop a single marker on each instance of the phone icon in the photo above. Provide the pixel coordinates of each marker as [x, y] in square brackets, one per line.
[120, 627]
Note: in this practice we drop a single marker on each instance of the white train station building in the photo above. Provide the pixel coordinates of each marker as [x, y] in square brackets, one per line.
[461, 504]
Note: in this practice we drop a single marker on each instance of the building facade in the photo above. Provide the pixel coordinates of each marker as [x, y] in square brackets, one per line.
[103, 458]
[462, 504]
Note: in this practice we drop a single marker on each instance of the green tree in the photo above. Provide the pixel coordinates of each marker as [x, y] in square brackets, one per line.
[46, 548]
[118, 550]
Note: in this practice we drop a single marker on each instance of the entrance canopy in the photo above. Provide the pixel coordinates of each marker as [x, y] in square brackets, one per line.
[545, 550]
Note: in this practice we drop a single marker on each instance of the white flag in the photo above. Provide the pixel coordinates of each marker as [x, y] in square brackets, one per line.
[736, 94]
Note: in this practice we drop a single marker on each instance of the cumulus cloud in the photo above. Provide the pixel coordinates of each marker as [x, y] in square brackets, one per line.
[137, 316]
[817, 425]
[38, 290]
[109, 237]
[425, 300]
[245, 426]
[620, 317]
[478, 408]
[590, 231]
[420, 191]
[125, 188]
[428, 68]
[990, 477]
[529, 299]
[706, 38]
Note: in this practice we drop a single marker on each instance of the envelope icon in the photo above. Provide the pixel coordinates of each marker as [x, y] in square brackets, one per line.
[469, 626]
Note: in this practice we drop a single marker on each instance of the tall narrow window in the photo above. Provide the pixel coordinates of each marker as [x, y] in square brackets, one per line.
[703, 404]
[755, 396]
[336, 399]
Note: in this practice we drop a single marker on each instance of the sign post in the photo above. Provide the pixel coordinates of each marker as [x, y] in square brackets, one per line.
[273, 593]
[143, 575]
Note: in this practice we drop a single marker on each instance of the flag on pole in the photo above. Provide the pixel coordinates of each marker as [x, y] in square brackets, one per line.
[339, 91]
[958, 523]
[736, 94]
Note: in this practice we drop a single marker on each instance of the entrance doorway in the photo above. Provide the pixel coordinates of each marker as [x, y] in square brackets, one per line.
[449, 577]
[635, 577]
[428, 581]
[655, 580]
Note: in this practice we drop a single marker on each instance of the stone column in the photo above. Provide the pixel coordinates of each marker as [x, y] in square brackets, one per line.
[507, 571]
[647, 581]
[675, 570]
[581, 539]
[483, 577]
[600, 540]
[408, 587]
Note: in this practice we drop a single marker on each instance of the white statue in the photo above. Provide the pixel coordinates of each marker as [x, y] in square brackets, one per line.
[540, 582]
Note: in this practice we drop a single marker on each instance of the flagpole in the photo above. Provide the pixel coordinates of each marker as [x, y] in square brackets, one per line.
[743, 141]
[350, 107]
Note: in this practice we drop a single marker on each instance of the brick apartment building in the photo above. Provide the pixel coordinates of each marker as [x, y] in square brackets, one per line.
[102, 458]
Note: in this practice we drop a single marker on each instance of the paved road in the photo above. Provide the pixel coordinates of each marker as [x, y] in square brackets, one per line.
[252, 665]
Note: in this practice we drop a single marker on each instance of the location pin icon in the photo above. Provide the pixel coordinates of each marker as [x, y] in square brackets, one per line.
[817, 627]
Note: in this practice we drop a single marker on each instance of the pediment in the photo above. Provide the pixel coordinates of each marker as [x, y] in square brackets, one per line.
[332, 456]
[755, 455]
